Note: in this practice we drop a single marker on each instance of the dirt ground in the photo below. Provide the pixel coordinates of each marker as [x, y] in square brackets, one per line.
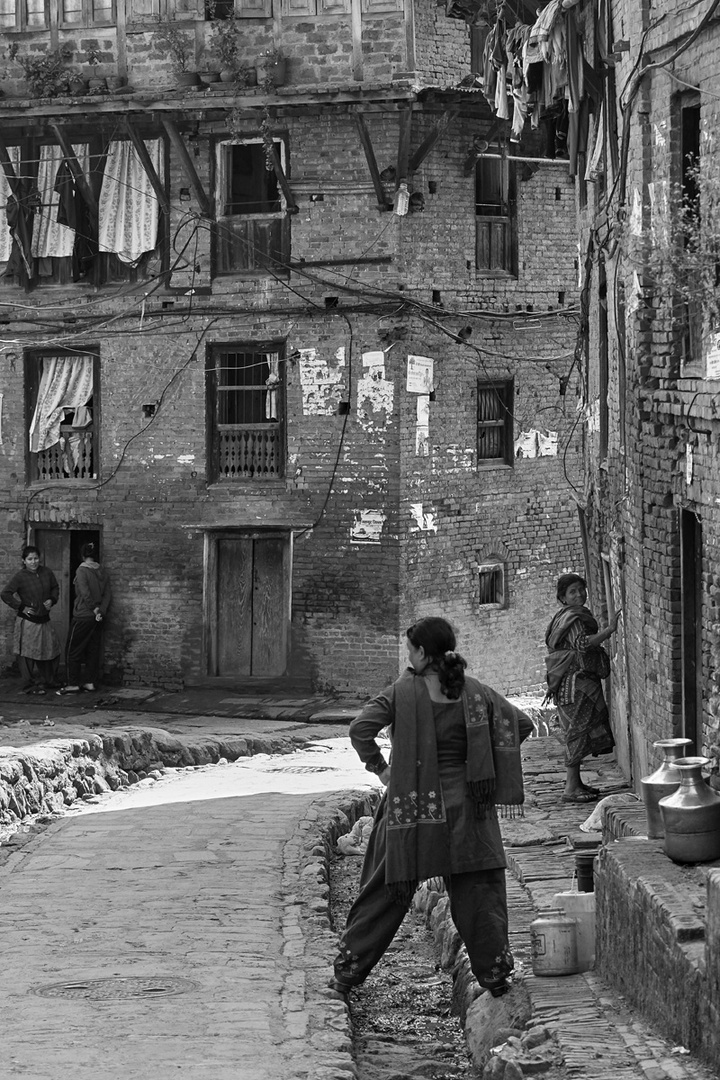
[403, 1021]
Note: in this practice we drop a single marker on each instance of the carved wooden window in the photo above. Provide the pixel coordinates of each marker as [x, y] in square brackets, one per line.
[23, 15]
[246, 407]
[87, 13]
[253, 228]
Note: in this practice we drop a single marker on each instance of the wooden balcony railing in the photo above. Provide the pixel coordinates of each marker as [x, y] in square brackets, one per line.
[245, 452]
[72, 458]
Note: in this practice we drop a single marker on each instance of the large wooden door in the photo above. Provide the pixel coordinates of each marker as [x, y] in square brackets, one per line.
[249, 609]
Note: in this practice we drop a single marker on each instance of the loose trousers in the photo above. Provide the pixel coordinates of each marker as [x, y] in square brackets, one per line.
[83, 647]
[478, 906]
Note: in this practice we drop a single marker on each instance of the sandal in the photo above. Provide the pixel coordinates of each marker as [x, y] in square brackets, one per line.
[340, 987]
[68, 690]
[583, 796]
[37, 690]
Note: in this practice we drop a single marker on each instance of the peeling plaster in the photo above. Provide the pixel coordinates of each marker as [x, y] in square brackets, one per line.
[186, 459]
[534, 443]
[322, 386]
[427, 522]
[461, 456]
[375, 393]
[367, 527]
[422, 427]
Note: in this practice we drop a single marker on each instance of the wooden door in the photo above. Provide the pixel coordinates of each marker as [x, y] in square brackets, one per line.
[250, 605]
[54, 545]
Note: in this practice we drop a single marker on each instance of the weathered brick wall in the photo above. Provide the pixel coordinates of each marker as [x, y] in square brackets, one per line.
[654, 944]
[636, 495]
[351, 600]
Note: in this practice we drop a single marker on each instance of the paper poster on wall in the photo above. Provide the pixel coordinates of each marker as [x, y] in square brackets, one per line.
[712, 355]
[367, 527]
[422, 427]
[420, 375]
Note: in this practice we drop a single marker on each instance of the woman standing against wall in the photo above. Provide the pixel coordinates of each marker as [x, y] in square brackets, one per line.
[31, 593]
[92, 600]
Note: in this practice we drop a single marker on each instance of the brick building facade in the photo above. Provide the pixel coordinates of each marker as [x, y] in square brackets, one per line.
[294, 418]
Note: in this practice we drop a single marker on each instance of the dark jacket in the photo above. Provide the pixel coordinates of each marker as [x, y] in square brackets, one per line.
[92, 591]
[27, 589]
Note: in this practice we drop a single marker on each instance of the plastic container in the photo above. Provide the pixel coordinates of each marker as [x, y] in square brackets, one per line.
[580, 906]
[584, 862]
[553, 938]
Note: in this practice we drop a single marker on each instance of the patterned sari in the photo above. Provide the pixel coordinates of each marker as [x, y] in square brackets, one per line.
[574, 676]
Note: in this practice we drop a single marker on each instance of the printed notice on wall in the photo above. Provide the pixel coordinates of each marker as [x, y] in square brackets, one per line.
[712, 356]
[419, 375]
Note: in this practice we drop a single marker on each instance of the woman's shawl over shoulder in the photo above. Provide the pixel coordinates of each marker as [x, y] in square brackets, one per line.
[562, 659]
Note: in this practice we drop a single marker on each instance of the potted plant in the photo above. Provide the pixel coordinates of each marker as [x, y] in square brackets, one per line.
[226, 44]
[95, 82]
[45, 73]
[271, 69]
[180, 47]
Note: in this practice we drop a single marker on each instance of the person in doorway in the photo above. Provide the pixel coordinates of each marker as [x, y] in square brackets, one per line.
[455, 764]
[32, 592]
[92, 600]
[576, 665]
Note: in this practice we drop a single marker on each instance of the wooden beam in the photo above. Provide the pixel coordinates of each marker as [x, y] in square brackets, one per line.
[372, 161]
[75, 168]
[480, 145]
[438, 130]
[142, 152]
[281, 177]
[403, 156]
[178, 144]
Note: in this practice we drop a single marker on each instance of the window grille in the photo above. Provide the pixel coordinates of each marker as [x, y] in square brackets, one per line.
[495, 423]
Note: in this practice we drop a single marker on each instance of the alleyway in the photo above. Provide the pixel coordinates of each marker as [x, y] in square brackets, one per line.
[193, 937]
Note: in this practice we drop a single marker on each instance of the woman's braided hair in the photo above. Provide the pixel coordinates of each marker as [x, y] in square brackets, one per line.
[437, 638]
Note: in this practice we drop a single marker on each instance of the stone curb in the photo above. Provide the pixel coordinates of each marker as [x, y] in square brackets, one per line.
[46, 778]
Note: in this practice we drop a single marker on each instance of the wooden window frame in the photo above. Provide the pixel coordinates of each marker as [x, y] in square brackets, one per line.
[32, 373]
[265, 261]
[491, 582]
[107, 271]
[21, 20]
[216, 431]
[496, 231]
[504, 422]
[87, 16]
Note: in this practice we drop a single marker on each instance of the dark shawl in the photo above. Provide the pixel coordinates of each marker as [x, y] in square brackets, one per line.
[418, 844]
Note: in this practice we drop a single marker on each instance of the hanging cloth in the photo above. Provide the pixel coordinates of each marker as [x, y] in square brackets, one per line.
[51, 238]
[6, 240]
[66, 383]
[271, 398]
[129, 207]
[597, 142]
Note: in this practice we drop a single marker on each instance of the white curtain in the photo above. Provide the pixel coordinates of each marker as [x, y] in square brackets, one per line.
[49, 237]
[66, 383]
[271, 398]
[129, 208]
[5, 237]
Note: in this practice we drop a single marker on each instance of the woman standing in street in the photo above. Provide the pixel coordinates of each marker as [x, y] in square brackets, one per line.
[31, 593]
[455, 763]
[92, 599]
[576, 665]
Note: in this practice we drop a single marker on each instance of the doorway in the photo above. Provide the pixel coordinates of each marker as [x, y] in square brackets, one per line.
[691, 545]
[60, 552]
[247, 617]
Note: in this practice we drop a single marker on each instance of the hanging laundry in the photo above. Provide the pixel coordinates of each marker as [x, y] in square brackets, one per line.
[129, 208]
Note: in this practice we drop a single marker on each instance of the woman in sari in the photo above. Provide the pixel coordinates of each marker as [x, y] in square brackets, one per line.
[576, 665]
[455, 765]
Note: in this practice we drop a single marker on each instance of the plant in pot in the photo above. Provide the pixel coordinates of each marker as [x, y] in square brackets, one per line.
[271, 69]
[180, 47]
[45, 73]
[226, 41]
[96, 81]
